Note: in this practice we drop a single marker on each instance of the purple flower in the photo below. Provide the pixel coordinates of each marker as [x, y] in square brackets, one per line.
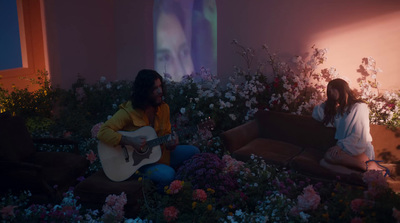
[206, 170]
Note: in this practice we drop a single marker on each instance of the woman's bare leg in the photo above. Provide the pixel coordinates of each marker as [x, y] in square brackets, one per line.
[337, 168]
[335, 155]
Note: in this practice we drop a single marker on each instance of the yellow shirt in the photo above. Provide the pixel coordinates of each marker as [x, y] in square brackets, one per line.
[129, 119]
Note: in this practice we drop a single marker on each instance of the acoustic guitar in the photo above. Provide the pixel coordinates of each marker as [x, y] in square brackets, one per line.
[121, 162]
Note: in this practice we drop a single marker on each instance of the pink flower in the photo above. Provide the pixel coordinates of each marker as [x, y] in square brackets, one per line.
[309, 200]
[233, 166]
[374, 178]
[7, 211]
[200, 195]
[171, 213]
[91, 156]
[294, 211]
[376, 183]
[175, 186]
[95, 129]
[356, 220]
[114, 206]
[396, 215]
[80, 93]
[67, 134]
[358, 203]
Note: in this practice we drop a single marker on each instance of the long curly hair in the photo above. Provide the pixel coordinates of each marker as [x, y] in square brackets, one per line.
[143, 87]
[347, 98]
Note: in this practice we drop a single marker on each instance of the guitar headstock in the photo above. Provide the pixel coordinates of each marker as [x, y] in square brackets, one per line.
[206, 124]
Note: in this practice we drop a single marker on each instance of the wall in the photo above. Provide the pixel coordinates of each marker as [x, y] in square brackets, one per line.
[350, 30]
[81, 40]
[97, 38]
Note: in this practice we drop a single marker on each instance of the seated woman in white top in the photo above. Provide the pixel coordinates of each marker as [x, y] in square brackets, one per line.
[350, 116]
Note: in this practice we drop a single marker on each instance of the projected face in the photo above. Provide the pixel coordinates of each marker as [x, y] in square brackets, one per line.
[173, 54]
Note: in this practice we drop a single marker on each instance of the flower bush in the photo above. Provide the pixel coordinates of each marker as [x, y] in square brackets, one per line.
[206, 170]
[212, 186]
[265, 193]
[269, 194]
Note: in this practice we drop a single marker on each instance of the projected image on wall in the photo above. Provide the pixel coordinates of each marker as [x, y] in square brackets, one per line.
[185, 37]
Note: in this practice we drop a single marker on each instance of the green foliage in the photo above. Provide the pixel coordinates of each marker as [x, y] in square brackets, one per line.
[84, 105]
[25, 103]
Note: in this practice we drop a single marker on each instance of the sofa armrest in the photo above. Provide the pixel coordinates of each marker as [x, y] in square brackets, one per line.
[20, 169]
[235, 138]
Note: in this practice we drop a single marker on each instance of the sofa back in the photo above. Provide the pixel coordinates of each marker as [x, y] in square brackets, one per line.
[15, 141]
[299, 130]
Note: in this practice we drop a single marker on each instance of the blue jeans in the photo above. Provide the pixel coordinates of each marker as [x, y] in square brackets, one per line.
[161, 174]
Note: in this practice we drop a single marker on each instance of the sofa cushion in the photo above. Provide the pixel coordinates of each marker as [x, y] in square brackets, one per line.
[97, 187]
[272, 151]
[61, 168]
[299, 130]
[94, 190]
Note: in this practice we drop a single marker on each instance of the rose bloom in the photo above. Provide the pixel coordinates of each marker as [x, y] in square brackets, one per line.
[95, 129]
[91, 156]
[356, 220]
[171, 213]
[7, 211]
[200, 195]
[309, 200]
[375, 178]
[396, 214]
[358, 203]
[175, 186]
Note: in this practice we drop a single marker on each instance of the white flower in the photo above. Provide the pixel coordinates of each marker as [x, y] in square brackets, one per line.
[232, 116]
[211, 106]
[102, 79]
[238, 213]
[183, 110]
[296, 59]
[108, 117]
[108, 86]
[304, 217]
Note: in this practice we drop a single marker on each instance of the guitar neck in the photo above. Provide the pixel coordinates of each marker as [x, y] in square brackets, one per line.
[166, 138]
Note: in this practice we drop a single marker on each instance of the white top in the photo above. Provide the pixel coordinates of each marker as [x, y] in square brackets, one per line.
[352, 129]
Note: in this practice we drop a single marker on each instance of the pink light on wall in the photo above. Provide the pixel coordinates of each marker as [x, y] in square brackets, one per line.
[377, 37]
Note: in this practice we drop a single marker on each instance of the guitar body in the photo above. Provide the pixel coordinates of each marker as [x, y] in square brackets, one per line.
[119, 165]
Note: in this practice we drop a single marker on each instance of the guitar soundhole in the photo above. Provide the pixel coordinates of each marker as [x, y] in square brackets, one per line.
[143, 150]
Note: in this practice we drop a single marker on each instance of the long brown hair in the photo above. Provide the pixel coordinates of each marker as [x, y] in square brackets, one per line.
[347, 98]
[143, 86]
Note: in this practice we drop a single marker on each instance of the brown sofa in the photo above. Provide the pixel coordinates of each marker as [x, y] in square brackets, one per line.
[23, 166]
[299, 142]
[93, 192]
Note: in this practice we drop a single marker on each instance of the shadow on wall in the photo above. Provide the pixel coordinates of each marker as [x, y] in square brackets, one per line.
[386, 142]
